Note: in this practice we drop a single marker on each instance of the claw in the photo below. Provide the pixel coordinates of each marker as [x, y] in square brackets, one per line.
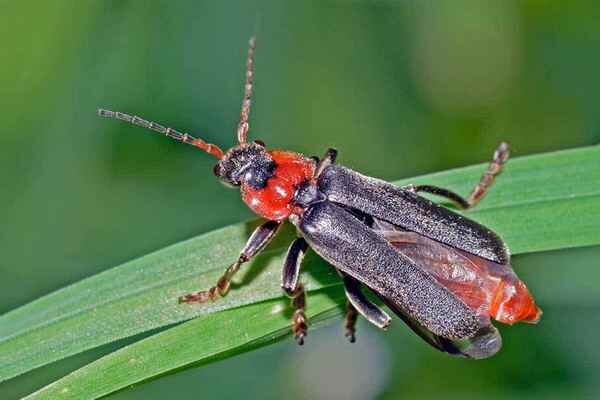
[300, 338]
[351, 336]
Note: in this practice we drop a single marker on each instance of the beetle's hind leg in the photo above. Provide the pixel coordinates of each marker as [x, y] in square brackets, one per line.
[350, 322]
[294, 289]
[255, 244]
[454, 197]
[358, 302]
[500, 157]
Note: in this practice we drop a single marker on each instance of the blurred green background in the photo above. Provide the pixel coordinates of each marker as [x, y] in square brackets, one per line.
[399, 87]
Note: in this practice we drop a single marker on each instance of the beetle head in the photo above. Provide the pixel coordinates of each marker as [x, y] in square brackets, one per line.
[247, 163]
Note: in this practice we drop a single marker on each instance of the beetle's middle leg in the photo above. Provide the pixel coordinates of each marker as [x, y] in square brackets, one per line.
[294, 289]
[485, 182]
[255, 244]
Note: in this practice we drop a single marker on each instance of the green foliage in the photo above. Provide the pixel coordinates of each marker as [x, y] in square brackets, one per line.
[541, 202]
[199, 341]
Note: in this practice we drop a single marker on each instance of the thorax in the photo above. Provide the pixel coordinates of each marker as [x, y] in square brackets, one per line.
[275, 200]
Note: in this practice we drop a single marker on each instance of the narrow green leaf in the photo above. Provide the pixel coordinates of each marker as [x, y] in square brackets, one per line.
[200, 340]
[541, 202]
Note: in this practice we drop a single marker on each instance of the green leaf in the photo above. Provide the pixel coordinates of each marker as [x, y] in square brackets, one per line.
[541, 202]
[196, 342]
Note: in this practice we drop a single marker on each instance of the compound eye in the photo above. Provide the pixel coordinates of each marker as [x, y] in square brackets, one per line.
[260, 143]
[217, 170]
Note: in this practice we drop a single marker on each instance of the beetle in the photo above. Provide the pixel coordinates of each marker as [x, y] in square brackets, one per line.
[443, 274]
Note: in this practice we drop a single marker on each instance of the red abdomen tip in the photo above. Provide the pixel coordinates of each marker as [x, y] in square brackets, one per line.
[488, 288]
[513, 302]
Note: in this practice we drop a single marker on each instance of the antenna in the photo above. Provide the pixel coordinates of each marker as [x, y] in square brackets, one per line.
[242, 131]
[212, 149]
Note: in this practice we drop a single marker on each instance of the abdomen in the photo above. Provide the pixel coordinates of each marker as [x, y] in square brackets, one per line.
[488, 288]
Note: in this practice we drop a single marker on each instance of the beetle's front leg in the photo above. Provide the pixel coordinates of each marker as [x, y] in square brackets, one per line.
[357, 301]
[295, 290]
[485, 182]
[257, 242]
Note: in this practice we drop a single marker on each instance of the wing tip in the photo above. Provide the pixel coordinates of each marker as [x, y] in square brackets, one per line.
[486, 342]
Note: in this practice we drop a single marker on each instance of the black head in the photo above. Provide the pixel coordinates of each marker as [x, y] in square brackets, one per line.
[247, 163]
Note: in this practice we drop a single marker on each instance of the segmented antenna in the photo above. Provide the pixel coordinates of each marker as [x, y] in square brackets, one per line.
[242, 131]
[170, 132]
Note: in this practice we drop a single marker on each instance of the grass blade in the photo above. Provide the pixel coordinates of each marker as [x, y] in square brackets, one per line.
[542, 202]
[197, 341]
